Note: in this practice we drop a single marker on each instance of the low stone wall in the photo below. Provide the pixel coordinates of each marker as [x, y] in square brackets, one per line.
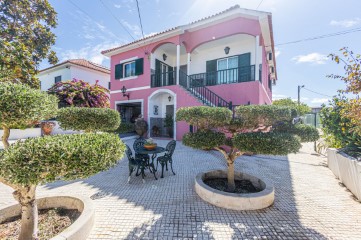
[16, 134]
[346, 169]
[79, 230]
[235, 201]
[58, 130]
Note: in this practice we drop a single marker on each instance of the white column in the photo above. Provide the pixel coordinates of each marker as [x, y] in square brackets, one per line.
[256, 53]
[178, 63]
[188, 67]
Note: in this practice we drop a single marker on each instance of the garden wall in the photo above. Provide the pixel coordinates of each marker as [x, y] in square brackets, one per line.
[347, 169]
[22, 133]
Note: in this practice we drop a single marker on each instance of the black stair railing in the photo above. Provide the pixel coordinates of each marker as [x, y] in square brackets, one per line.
[203, 93]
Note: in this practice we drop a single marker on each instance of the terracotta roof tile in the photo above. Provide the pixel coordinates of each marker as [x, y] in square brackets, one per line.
[82, 63]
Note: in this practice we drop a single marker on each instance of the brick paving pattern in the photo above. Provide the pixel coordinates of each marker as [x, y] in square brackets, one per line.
[310, 203]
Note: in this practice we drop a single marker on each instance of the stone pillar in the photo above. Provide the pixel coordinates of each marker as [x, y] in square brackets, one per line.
[256, 59]
[188, 67]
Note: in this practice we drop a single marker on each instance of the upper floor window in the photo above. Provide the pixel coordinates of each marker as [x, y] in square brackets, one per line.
[57, 79]
[129, 69]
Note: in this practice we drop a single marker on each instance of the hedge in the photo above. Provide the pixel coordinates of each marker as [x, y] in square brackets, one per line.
[45, 159]
[125, 128]
[204, 139]
[205, 117]
[21, 106]
[88, 119]
[269, 143]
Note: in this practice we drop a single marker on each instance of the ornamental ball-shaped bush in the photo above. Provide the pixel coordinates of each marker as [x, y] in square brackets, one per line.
[88, 119]
[21, 106]
[204, 139]
[270, 143]
[73, 156]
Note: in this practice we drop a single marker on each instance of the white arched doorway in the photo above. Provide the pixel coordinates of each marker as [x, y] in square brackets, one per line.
[162, 106]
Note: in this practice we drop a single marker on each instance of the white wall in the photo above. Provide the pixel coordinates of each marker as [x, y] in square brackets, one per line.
[89, 75]
[238, 44]
[162, 101]
[48, 78]
[158, 54]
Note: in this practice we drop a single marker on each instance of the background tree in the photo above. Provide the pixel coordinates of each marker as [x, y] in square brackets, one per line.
[21, 106]
[26, 164]
[77, 93]
[288, 102]
[26, 39]
[352, 78]
[249, 131]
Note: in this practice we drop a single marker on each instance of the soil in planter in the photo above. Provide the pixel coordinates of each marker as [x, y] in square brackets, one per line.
[51, 222]
[242, 186]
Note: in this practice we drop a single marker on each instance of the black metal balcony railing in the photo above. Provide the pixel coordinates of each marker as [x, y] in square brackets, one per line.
[227, 76]
[163, 79]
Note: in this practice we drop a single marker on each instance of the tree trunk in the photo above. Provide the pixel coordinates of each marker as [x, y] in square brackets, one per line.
[29, 212]
[5, 136]
[230, 177]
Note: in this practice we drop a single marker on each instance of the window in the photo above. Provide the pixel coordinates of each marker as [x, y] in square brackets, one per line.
[227, 70]
[129, 69]
[57, 79]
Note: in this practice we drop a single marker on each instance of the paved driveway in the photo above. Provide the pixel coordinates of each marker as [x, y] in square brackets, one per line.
[310, 203]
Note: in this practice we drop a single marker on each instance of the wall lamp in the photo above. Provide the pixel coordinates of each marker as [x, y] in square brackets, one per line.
[124, 91]
[164, 57]
[226, 50]
[169, 98]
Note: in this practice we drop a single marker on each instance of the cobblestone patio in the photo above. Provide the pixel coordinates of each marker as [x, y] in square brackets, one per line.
[310, 203]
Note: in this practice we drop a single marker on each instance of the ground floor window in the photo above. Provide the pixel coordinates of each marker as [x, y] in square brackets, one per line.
[129, 111]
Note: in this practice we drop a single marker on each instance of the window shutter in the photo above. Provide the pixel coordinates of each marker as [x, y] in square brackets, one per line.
[118, 71]
[211, 72]
[244, 64]
[170, 75]
[139, 66]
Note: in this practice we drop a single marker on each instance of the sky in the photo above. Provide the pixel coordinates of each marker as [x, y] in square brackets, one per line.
[86, 27]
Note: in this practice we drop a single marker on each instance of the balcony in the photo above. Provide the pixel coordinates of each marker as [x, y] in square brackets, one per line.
[227, 76]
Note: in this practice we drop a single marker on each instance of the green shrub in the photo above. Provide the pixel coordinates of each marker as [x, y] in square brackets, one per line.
[45, 159]
[204, 117]
[22, 106]
[125, 128]
[267, 143]
[300, 109]
[204, 139]
[306, 133]
[88, 119]
[252, 116]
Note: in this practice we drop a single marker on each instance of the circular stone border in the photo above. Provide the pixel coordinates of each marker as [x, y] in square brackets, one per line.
[79, 230]
[235, 201]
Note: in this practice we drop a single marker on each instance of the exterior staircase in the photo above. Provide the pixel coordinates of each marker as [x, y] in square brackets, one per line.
[202, 93]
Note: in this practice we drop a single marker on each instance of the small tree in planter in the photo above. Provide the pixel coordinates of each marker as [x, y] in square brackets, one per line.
[249, 131]
[21, 106]
[35, 161]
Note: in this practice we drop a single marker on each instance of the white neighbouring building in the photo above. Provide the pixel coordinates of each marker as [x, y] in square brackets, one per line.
[80, 69]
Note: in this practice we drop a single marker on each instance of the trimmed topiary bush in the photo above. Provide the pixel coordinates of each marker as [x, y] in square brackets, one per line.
[88, 119]
[249, 131]
[21, 106]
[125, 128]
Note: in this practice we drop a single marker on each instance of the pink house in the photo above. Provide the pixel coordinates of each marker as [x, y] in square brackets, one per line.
[223, 60]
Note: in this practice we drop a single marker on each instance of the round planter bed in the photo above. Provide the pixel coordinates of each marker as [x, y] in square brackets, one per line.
[79, 230]
[235, 201]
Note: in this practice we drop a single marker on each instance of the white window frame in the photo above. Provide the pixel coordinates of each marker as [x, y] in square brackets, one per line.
[125, 64]
[57, 77]
[227, 58]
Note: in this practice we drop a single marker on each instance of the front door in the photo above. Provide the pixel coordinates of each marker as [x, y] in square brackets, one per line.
[169, 120]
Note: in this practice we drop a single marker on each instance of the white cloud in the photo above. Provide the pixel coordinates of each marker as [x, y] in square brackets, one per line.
[347, 23]
[315, 58]
[277, 52]
[117, 6]
[135, 29]
[90, 52]
[320, 100]
[278, 96]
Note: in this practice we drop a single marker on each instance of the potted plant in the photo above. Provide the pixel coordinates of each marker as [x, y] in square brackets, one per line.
[141, 126]
[47, 127]
[150, 144]
[169, 123]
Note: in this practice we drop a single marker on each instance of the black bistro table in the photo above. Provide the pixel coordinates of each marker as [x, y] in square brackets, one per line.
[153, 154]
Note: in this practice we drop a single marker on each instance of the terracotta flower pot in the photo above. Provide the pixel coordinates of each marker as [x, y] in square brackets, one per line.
[150, 146]
[47, 127]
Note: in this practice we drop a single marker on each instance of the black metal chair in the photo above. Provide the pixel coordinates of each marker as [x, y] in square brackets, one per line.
[167, 157]
[135, 164]
[139, 143]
